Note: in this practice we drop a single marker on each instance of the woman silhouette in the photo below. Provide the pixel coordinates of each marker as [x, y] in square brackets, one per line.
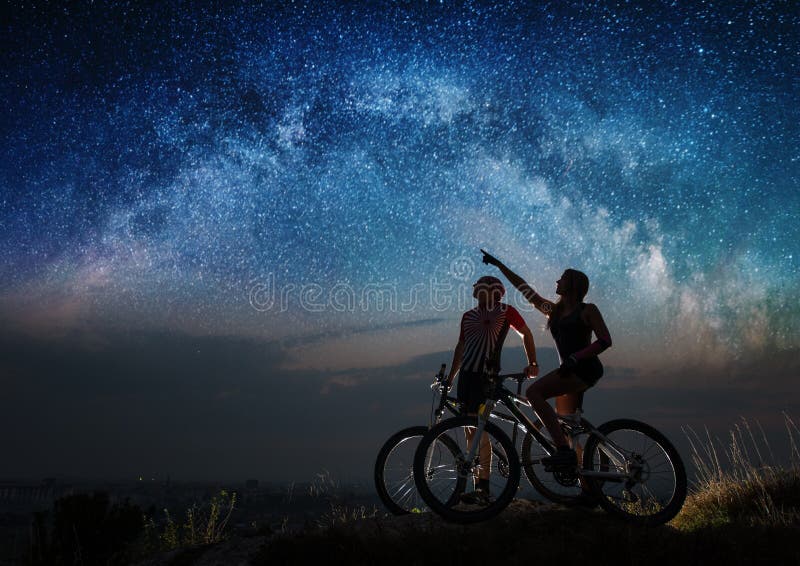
[571, 322]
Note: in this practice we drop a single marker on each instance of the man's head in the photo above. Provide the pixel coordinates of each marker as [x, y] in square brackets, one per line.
[488, 290]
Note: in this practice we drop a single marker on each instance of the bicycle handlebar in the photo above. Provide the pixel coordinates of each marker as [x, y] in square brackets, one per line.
[495, 380]
[522, 376]
[440, 384]
[439, 379]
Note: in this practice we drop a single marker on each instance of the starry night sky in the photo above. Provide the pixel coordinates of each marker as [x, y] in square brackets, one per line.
[190, 195]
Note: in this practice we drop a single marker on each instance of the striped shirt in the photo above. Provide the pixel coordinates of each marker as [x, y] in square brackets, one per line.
[480, 332]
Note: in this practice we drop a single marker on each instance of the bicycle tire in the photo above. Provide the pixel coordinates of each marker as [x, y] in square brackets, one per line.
[400, 495]
[545, 482]
[448, 509]
[649, 510]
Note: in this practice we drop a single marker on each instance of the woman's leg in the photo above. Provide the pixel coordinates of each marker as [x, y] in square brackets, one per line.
[568, 403]
[553, 385]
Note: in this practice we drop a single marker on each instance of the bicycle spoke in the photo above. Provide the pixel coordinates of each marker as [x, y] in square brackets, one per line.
[654, 488]
[444, 494]
[407, 486]
[652, 447]
[546, 483]
[394, 471]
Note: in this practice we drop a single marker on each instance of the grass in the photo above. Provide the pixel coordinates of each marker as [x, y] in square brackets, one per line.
[327, 488]
[563, 537]
[743, 508]
[203, 525]
[740, 483]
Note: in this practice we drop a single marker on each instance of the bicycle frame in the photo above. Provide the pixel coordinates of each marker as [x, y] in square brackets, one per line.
[501, 395]
[451, 404]
[445, 401]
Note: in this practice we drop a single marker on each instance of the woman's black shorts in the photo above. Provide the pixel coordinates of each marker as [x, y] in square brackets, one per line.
[471, 390]
[589, 370]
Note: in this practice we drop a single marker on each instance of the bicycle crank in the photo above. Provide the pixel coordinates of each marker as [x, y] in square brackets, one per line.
[567, 478]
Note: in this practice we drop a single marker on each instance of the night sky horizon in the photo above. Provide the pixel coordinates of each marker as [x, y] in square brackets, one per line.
[237, 241]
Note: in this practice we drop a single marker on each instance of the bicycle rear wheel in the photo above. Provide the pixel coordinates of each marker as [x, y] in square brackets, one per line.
[394, 470]
[655, 486]
[442, 477]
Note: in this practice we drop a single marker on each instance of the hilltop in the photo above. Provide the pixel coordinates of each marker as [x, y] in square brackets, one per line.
[526, 532]
[740, 510]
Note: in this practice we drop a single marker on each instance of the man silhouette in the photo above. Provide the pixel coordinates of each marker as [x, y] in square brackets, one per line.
[481, 338]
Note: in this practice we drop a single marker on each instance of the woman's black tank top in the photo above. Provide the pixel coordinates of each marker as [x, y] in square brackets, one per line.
[571, 333]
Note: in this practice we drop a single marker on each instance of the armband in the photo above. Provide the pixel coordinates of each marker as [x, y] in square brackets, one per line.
[602, 343]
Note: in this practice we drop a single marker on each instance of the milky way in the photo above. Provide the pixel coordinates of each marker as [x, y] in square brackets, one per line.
[227, 217]
[159, 164]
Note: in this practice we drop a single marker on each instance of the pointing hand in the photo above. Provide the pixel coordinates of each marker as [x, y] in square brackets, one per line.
[490, 259]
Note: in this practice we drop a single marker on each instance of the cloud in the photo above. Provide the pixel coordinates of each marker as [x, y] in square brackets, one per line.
[211, 407]
[663, 309]
[347, 333]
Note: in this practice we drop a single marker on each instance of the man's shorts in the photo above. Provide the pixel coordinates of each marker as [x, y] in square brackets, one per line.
[471, 391]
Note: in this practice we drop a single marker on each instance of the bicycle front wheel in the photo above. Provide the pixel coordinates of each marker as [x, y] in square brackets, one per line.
[646, 479]
[442, 478]
[394, 471]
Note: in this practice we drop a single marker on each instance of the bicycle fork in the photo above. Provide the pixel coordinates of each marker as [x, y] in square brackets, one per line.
[485, 410]
[429, 456]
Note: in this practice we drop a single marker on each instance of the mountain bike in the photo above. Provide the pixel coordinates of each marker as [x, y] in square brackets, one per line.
[629, 468]
[394, 477]
[394, 480]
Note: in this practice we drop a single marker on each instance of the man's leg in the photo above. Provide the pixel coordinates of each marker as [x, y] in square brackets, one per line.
[473, 395]
[480, 494]
[485, 460]
[470, 433]
[484, 453]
